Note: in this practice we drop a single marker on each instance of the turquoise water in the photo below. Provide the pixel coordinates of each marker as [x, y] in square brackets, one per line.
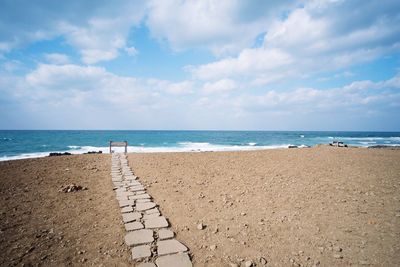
[26, 144]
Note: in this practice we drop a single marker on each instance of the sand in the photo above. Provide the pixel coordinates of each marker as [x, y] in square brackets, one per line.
[41, 226]
[292, 207]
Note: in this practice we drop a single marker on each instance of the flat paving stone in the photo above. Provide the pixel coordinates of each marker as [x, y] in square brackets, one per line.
[170, 246]
[157, 222]
[141, 196]
[140, 192]
[132, 226]
[142, 251]
[165, 234]
[145, 206]
[119, 198]
[127, 209]
[124, 195]
[176, 260]
[136, 188]
[146, 264]
[143, 200]
[139, 237]
[120, 190]
[150, 216]
[130, 217]
[124, 203]
[132, 182]
[155, 210]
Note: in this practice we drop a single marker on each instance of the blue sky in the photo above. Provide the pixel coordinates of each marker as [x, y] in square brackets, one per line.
[237, 65]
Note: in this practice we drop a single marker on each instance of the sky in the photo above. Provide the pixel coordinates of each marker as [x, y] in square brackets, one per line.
[200, 65]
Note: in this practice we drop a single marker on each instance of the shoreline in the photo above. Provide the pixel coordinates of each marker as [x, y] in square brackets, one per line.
[151, 150]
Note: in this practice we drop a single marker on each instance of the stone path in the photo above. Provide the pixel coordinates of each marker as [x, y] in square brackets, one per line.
[148, 233]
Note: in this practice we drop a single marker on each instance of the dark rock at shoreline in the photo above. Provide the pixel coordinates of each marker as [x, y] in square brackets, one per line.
[55, 154]
[94, 152]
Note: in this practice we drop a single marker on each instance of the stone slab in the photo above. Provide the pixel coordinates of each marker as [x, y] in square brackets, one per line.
[170, 246]
[141, 196]
[124, 203]
[132, 226]
[176, 260]
[145, 206]
[155, 210]
[143, 200]
[150, 216]
[119, 198]
[139, 237]
[157, 222]
[130, 217]
[120, 190]
[127, 209]
[142, 251]
[165, 234]
[132, 183]
[136, 188]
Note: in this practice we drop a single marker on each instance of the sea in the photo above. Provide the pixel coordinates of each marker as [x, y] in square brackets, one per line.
[20, 144]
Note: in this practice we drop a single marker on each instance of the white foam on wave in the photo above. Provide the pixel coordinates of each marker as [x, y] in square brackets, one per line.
[79, 150]
[393, 138]
[25, 156]
[252, 144]
[182, 147]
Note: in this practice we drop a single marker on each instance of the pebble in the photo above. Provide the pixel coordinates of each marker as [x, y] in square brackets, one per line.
[337, 249]
[213, 247]
[200, 226]
[337, 256]
[248, 263]
[263, 261]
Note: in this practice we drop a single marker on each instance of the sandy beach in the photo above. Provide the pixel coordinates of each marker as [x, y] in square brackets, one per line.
[320, 206]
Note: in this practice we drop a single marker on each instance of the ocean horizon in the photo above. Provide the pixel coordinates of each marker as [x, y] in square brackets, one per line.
[20, 144]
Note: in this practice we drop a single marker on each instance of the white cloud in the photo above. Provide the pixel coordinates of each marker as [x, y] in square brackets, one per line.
[100, 39]
[224, 85]
[98, 30]
[223, 26]
[312, 39]
[92, 96]
[132, 51]
[57, 58]
[248, 62]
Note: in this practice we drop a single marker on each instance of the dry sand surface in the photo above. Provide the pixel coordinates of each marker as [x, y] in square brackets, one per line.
[41, 226]
[293, 207]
